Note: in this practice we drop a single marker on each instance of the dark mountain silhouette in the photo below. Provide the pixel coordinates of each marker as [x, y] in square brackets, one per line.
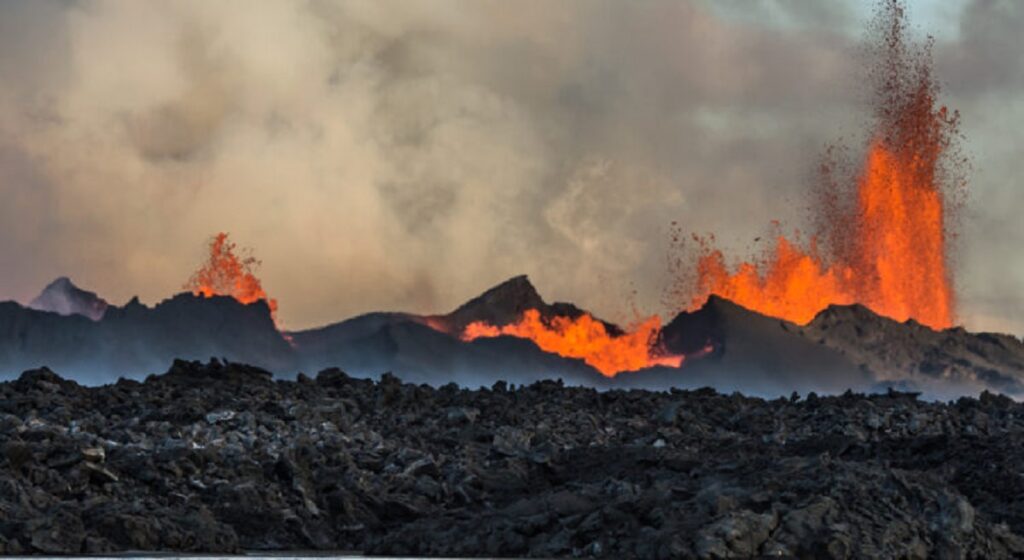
[727, 347]
[504, 304]
[739, 349]
[426, 348]
[953, 361]
[135, 339]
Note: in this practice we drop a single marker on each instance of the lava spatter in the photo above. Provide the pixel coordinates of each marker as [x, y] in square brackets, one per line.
[227, 274]
[886, 244]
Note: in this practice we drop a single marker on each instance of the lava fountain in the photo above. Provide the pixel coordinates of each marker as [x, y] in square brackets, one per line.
[226, 274]
[586, 338]
[885, 238]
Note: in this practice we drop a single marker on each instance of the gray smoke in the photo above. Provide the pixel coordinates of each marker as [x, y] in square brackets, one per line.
[406, 155]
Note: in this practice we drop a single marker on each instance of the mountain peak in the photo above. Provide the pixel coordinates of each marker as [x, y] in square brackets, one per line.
[62, 296]
[499, 305]
[693, 331]
[834, 314]
[515, 289]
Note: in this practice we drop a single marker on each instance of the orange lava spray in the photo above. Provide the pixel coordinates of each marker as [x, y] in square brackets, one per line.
[887, 242]
[227, 274]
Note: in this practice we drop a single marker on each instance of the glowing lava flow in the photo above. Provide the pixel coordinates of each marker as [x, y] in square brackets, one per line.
[888, 243]
[226, 274]
[587, 338]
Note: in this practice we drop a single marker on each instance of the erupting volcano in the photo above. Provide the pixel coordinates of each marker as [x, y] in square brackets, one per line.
[587, 338]
[226, 274]
[884, 235]
[426, 400]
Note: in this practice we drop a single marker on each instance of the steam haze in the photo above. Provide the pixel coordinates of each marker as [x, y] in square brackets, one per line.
[407, 155]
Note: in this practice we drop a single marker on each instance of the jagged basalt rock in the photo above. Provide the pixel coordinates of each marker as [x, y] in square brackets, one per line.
[947, 362]
[217, 457]
[135, 339]
[506, 303]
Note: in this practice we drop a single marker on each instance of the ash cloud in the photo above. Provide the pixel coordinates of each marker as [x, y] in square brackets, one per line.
[404, 156]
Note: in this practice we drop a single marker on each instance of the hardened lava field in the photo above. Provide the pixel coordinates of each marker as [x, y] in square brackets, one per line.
[221, 458]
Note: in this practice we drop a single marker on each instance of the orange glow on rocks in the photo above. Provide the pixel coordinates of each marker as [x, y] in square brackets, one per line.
[585, 338]
[792, 285]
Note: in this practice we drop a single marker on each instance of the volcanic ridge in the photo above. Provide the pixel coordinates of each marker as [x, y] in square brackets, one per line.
[721, 345]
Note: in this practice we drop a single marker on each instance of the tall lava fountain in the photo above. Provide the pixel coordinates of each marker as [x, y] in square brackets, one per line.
[883, 239]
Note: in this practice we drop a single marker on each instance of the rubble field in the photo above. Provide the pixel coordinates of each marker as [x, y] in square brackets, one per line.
[222, 457]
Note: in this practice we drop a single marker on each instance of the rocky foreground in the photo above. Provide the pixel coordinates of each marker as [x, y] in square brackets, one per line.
[221, 458]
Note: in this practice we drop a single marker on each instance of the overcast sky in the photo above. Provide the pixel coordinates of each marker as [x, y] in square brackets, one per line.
[409, 154]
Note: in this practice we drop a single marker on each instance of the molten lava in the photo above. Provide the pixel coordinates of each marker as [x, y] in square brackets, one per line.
[887, 242]
[226, 274]
[587, 338]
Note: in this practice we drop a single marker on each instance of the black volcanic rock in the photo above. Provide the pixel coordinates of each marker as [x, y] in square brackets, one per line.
[506, 303]
[426, 348]
[326, 344]
[62, 297]
[195, 327]
[214, 458]
[735, 348]
[952, 360]
[376, 343]
[183, 372]
[726, 347]
[135, 339]
[500, 305]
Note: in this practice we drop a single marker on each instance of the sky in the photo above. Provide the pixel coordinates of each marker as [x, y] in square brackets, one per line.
[408, 155]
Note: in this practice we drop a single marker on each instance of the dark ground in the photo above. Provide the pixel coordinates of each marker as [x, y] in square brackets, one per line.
[215, 458]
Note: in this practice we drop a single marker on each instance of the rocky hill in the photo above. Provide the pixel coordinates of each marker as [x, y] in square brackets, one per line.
[729, 348]
[953, 361]
[135, 339]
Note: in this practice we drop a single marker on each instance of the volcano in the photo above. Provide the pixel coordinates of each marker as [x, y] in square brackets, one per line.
[721, 345]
